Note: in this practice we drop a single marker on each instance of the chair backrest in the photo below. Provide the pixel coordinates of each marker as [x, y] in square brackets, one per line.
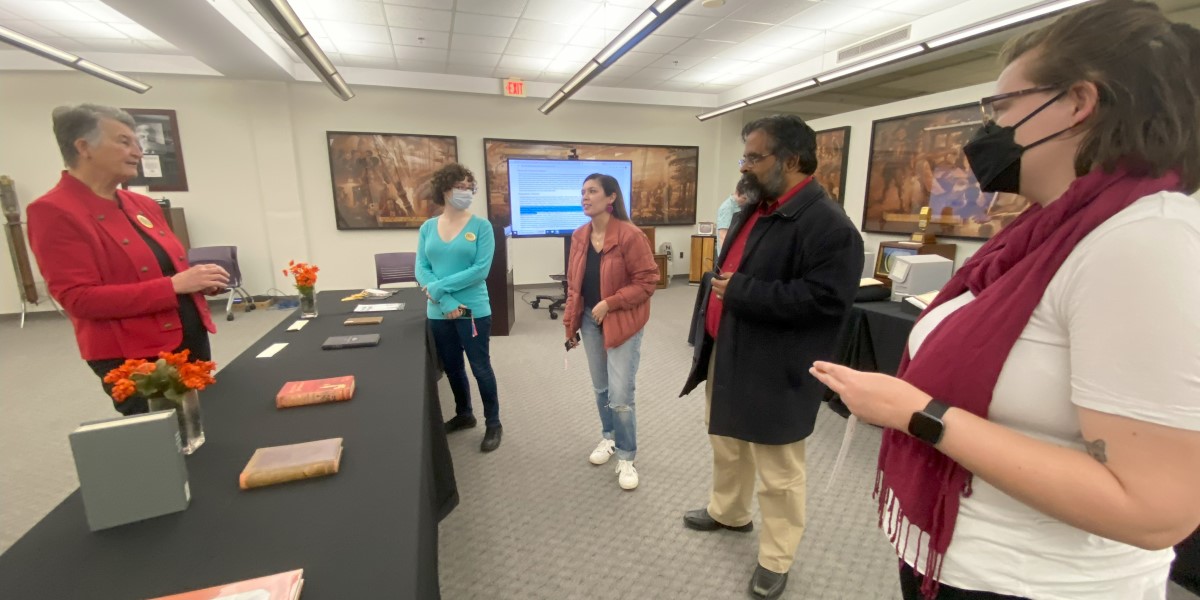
[395, 267]
[225, 256]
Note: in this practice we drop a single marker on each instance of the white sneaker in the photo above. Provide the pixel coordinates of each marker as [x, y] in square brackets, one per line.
[602, 452]
[626, 474]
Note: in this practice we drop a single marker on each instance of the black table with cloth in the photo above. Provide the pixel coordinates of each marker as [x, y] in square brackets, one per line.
[872, 339]
[369, 531]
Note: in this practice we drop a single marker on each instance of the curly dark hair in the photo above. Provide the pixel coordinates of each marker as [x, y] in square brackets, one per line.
[445, 178]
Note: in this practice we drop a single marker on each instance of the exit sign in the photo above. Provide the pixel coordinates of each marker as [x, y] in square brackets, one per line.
[514, 88]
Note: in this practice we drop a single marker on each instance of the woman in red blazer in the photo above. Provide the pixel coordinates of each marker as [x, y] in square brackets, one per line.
[108, 255]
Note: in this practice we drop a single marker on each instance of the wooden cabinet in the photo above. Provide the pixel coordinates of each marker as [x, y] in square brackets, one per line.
[178, 224]
[704, 252]
[649, 231]
[664, 277]
[500, 286]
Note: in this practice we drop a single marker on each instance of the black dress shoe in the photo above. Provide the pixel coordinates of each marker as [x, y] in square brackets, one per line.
[767, 584]
[491, 439]
[460, 422]
[700, 520]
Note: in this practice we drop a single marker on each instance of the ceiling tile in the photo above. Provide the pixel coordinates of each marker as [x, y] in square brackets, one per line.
[101, 12]
[642, 4]
[421, 66]
[112, 45]
[526, 74]
[656, 74]
[785, 37]
[869, 4]
[677, 86]
[134, 31]
[733, 78]
[921, 7]
[336, 31]
[714, 87]
[747, 51]
[563, 65]
[47, 11]
[616, 18]
[685, 25]
[875, 22]
[704, 48]
[484, 25]
[407, 17]
[825, 16]
[733, 31]
[541, 31]
[532, 49]
[593, 36]
[773, 12]
[423, 54]
[420, 38]
[789, 56]
[161, 46]
[498, 8]
[31, 29]
[474, 59]
[677, 62]
[326, 44]
[365, 13]
[523, 63]
[8, 16]
[698, 9]
[363, 48]
[470, 70]
[368, 62]
[619, 71]
[638, 59]
[577, 53]
[90, 29]
[446, 4]
[660, 43]
[478, 43]
[829, 41]
[571, 12]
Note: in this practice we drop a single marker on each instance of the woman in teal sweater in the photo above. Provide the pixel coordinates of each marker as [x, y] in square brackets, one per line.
[454, 256]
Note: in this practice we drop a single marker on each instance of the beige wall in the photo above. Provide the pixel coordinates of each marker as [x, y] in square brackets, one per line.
[258, 173]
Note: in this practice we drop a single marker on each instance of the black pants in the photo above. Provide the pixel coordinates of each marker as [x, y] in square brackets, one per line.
[196, 342]
[910, 586]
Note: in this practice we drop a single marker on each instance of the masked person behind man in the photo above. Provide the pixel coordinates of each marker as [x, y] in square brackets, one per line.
[787, 277]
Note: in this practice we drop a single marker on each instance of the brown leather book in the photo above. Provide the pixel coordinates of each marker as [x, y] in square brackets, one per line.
[363, 321]
[279, 464]
[315, 391]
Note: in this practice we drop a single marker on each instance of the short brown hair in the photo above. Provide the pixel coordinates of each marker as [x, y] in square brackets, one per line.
[445, 178]
[1147, 71]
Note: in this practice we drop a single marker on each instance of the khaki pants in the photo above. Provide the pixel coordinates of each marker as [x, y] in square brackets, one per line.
[781, 493]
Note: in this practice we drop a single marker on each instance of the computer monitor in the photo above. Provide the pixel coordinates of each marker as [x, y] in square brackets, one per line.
[546, 194]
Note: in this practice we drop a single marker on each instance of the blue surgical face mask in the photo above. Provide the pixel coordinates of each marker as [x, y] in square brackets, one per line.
[461, 199]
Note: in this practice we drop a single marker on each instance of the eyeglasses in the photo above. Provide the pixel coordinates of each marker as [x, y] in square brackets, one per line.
[751, 159]
[987, 106]
[466, 187]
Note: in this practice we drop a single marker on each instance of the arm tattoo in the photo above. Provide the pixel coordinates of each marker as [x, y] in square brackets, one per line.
[1096, 450]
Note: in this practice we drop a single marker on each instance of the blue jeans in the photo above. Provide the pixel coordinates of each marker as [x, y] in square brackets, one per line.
[453, 337]
[613, 375]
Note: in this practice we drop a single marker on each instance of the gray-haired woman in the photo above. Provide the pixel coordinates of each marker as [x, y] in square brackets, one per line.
[108, 255]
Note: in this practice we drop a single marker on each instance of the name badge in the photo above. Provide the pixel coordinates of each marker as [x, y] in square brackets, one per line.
[145, 221]
[470, 236]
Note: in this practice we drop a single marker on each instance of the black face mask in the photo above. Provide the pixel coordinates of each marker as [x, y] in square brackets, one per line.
[995, 155]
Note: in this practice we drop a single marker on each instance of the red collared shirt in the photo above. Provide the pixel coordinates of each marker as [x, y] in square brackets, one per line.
[737, 251]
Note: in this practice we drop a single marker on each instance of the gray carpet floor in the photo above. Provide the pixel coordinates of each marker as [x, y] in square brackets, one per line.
[536, 519]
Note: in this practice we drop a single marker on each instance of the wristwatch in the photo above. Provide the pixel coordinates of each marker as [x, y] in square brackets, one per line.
[927, 425]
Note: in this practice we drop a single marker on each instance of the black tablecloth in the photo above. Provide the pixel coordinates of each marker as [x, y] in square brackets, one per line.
[872, 339]
[370, 531]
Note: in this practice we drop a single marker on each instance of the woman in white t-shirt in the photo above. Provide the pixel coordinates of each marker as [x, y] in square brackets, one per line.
[1043, 435]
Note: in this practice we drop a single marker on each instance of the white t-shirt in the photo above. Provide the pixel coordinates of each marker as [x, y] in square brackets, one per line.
[1117, 331]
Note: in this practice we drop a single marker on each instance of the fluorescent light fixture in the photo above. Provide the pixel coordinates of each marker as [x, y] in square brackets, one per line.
[630, 32]
[554, 101]
[724, 109]
[63, 57]
[645, 24]
[782, 91]
[1013, 19]
[870, 64]
[579, 77]
[289, 26]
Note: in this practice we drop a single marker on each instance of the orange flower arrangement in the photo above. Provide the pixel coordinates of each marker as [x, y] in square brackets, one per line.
[305, 274]
[171, 376]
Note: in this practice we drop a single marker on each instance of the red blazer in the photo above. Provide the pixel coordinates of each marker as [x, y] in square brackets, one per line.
[106, 279]
[628, 275]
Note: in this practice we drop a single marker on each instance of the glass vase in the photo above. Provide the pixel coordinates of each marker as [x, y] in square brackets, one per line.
[187, 412]
[308, 304]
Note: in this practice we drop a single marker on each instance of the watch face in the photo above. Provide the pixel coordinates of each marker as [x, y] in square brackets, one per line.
[926, 428]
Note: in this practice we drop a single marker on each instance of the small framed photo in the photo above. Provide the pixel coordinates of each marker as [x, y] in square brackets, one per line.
[162, 167]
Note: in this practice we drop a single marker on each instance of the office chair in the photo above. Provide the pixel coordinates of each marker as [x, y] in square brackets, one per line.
[395, 267]
[556, 302]
[226, 257]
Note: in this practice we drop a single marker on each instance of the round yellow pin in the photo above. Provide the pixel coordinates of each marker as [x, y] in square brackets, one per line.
[145, 221]
[470, 236]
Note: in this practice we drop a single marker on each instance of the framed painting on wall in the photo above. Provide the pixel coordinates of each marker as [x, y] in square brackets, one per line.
[664, 177]
[162, 153]
[381, 180]
[917, 160]
[833, 156]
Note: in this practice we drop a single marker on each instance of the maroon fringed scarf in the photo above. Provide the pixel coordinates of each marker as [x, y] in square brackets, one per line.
[1008, 276]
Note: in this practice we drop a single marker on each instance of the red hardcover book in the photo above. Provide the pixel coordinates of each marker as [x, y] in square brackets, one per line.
[280, 586]
[315, 391]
